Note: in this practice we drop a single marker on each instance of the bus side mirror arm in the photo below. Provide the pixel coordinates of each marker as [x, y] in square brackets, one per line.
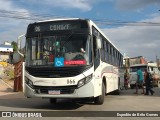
[19, 44]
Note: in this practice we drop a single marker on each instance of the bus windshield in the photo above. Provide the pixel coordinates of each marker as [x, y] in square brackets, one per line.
[59, 50]
[135, 68]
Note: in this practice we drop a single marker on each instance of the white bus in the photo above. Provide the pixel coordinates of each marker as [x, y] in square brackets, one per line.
[70, 58]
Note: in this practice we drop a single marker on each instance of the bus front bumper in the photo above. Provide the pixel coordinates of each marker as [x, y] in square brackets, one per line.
[85, 91]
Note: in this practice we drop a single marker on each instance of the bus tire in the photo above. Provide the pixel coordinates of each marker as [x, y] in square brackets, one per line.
[100, 99]
[53, 100]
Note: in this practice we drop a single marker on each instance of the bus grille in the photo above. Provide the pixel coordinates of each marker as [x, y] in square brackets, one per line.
[63, 89]
[50, 72]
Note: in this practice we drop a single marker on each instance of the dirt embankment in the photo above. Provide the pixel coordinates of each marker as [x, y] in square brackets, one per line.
[6, 77]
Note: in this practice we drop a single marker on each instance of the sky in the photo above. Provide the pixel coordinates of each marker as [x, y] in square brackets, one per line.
[133, 26]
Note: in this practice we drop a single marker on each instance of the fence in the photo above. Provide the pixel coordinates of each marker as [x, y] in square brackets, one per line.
[18, 67]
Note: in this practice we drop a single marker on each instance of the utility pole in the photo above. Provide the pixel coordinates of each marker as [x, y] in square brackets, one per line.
[156, 60]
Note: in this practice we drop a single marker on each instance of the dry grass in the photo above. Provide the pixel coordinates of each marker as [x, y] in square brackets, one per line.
[9, 72]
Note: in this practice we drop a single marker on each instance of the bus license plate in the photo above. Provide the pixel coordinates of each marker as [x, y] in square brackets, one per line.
[54, 92]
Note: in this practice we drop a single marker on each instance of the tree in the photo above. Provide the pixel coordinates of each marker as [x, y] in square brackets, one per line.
[14, 45]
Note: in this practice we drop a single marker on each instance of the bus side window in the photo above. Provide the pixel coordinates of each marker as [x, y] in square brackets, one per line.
[149, 69]
[152, 68]
[94, 47]
[96, 53]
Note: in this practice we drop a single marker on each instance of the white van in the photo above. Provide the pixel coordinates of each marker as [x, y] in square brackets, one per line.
[151, 67]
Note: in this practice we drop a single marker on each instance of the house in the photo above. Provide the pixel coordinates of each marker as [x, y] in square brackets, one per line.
[5, 51]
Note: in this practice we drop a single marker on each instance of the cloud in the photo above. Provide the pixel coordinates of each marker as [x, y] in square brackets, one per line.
[137, 40]
[10, 29]
[79, 4]
[135, 4]
[9, 6]
[83, 5]
[9, 9]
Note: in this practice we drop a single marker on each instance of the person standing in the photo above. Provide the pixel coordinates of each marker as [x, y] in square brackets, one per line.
[148, 83]
[140, 80]
[126, 79]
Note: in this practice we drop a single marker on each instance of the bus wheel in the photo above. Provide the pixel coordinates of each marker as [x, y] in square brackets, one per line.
[53, 100]
[100, 99]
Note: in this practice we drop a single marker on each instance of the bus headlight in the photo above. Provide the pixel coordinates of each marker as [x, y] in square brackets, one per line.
[84, 81]
[81, 82]
[29, 82]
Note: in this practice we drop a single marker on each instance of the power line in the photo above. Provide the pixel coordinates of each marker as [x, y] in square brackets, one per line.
[34, 16]
[26, 15]
[126, 23]
[129, 23]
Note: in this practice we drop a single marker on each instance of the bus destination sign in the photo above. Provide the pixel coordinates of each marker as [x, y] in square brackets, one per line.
[52, 27]
[57, 26]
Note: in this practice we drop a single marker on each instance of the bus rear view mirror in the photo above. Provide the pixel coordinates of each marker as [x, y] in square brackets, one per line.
[98, 43]
[19, 44]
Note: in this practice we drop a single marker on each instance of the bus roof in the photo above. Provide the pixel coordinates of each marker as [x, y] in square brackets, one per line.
[59, 19]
